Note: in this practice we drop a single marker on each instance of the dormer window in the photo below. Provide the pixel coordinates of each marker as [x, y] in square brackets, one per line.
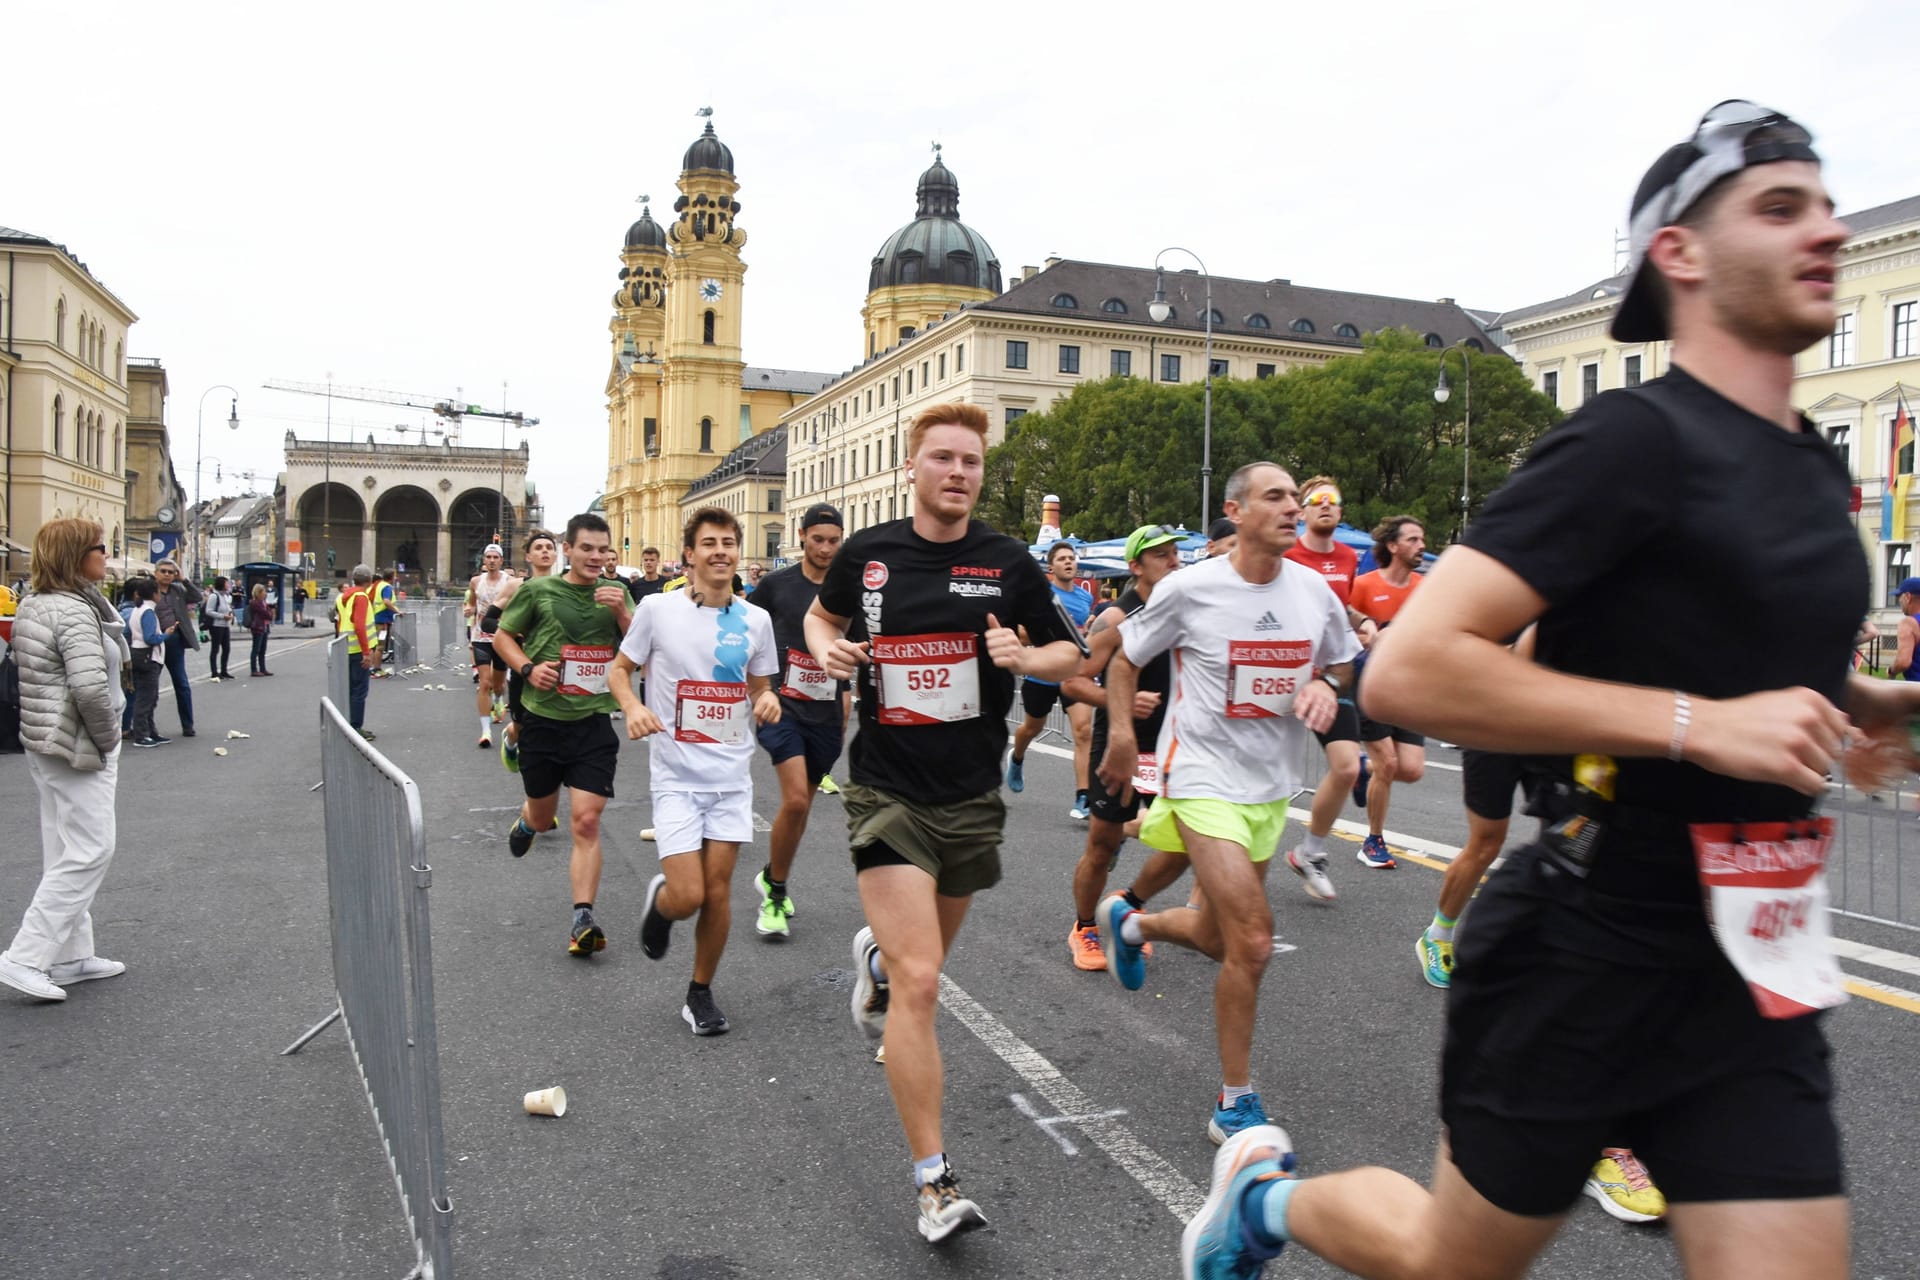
[1066, 302]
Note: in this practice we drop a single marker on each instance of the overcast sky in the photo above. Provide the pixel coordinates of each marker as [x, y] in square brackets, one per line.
[424, 197]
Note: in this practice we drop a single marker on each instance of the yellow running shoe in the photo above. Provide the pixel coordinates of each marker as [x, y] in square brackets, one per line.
[1624, 1189]
[828, 787]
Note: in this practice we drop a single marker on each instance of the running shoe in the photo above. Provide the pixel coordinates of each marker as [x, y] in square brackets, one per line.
[1244, 1114]
[1079, 812]
[1016, 774]
[1436, 960]
[869, 993]
[1218, 1243]
[703, 1015]
[586, 937]
[944, 1211]
[486, 742]
[772, 922]
[85, 969]
[509, 754]
[520, 838]
[1624, 1189]
[1313, 875]
[1124, 960]
[1360, 783]
[1375, 854]
[1084, 946]
[828, 787]
[656, 931]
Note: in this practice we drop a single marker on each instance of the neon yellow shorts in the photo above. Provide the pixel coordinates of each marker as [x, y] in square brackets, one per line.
[1254, 827]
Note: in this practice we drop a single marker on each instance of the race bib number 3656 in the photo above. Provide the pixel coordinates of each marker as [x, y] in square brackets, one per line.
[1264, 675]
[929, 679]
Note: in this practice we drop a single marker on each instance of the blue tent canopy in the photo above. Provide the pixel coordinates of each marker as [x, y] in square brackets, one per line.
[1107, 558]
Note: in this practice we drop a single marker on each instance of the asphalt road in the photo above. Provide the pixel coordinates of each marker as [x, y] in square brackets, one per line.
[152, 1129]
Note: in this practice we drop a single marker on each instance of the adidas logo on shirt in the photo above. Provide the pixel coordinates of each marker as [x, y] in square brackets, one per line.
[1267, 622]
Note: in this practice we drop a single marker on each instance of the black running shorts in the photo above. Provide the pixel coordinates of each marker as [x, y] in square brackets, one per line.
[1552, 1053]
[484, 657]
[1372, 730]
[1102, 803]
[1037, 699]
[1345, 726]
[1488, 778]
[580, 754]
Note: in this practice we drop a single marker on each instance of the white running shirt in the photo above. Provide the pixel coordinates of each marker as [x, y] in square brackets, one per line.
[697, 662]
[1241, 653]
[485, 593]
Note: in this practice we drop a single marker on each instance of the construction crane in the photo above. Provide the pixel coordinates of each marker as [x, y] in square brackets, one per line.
[450, 411]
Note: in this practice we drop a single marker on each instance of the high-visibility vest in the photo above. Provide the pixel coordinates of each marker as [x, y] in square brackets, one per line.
[343, 617]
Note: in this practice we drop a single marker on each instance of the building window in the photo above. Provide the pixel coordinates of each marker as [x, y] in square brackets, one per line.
[1345, 331]
[1016, 354]
[1434, 340]
[1258, 321]
[883, 395]
[1120, 364]
[773, 543]
[866, 459]
[773, 501]
[1066, 301]
[59, 420]
[1013, 416]
[1217, 368]
[896, 386]
[926, 367]
[1840, 345]
[1630, 370]
[706, 329]
[895, 450]
[869, 399]
[1475, 343]
[1213, 316]
[943, 366]
[1903, 322]
[1550, 385]
[1303, 325]
[1069, 359]
[890, 514]
[706, 435]
[1899, 566]
[909, 271]
[1589, 382]
[1841, 438]
[906, 331]
[1114, 307]
[960, 358]
[1169, 368]
[873, 345]
[909, 382]
[60, 324]
[1263, 371]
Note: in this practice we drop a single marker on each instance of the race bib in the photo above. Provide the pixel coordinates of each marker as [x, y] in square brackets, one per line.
[1146, 774]
[931, 679]
[711, 713]
[1263, 676]
[806, 679]
[1765, 886]
[583, 669]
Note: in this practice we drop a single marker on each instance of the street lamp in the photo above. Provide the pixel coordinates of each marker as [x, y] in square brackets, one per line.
[1441, 393]
[233, 424]
[1160, 311]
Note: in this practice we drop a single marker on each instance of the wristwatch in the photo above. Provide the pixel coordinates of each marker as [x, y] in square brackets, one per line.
[1332, 684]
[526, 671]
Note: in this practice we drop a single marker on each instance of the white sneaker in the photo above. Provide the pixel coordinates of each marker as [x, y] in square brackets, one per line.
[869, 1002]
[68, 972]
[25, 978]
[943, 1210]
[1313, 875]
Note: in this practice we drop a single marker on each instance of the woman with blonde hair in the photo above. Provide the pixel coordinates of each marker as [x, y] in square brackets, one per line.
[71, 645]
[260, 623]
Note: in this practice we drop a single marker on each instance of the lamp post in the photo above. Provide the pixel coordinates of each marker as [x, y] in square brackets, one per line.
[199, 417]
[1441, 393]
[1160, 311]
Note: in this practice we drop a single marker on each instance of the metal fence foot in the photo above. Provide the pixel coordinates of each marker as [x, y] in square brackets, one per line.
[313, 1031]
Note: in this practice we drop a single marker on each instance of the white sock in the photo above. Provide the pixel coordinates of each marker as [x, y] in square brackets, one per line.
[875, 967]
[925, 1171]
[1315, 847]
[1232, 1093]
[1130, 929]
[486, 727]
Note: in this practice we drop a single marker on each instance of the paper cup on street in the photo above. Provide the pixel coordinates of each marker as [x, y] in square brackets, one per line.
[235, 733]
[547, 1102]
[219, 751]
[646, 833]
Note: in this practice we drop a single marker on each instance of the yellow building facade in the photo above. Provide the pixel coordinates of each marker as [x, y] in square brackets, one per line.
[1850, 385]
[680, 394]
[63, 397]
[751, 483]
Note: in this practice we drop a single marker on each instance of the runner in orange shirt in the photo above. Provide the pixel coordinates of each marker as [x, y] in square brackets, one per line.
[1393, 754]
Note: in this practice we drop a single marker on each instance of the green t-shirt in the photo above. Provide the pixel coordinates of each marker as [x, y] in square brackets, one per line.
[556, 621]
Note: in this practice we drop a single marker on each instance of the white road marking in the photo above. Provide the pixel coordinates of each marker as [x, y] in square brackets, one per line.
[1898, 961]
[1147, 1167]
[1046, 1123]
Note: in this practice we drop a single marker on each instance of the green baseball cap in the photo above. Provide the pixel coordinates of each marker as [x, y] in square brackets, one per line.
[1149, 536]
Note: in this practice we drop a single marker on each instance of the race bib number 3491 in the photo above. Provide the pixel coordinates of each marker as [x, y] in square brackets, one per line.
[1264, 675]
[928, 679]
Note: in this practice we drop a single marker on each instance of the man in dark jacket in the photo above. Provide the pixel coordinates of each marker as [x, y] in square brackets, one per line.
[175, 602]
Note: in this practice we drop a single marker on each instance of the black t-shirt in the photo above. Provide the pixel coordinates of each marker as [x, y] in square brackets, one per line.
[639, 588]
[1682, 542]
[1155, 677]
[935, 730]
[787, 595]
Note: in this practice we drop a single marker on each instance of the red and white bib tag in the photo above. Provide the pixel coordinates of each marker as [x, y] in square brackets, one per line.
[1146, 774]
[929, 679]
[710, 712]
[583, 669]
[1264, 675]
[1765, 886]
[806, 679]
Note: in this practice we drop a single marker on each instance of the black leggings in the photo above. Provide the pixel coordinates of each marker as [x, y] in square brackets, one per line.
[257, 660]
[219, 649]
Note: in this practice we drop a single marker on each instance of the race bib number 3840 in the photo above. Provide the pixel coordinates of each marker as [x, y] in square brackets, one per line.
[928, 679]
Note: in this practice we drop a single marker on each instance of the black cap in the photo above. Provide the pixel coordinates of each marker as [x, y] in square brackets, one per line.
[821, 513]
[1221, 528]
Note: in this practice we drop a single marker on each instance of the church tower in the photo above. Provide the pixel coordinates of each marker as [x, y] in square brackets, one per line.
[634, 385]
[933, 265]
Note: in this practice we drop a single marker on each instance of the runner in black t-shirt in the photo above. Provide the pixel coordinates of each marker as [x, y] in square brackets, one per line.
[921, 611]
[1153, 552]
[1594, 1000]
[648, 582]
[805, 741]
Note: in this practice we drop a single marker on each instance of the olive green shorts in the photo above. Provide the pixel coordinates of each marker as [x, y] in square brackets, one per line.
[957, 844]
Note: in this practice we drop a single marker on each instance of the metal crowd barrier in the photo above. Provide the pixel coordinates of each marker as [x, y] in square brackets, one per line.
[1058, 728]
[1866, 868]
[337, 680]
[404, 632]
[377, 883]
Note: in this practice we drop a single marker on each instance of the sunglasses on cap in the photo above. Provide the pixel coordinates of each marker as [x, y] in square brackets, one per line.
[1322, 497]
[1732, 136]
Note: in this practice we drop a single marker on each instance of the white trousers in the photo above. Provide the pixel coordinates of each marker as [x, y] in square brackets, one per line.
[77, 832]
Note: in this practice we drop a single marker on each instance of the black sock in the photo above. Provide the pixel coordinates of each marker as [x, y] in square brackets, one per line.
[694, 988]
[1133, 900]
[778, 888]
[583, 906]
[1083, 924]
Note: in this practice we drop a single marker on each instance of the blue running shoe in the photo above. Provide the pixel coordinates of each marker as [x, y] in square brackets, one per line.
[1016, 774]
[1360, 783]
[1124, 961]
[1228, 1121]
[1219, 1243]
[1375, 854]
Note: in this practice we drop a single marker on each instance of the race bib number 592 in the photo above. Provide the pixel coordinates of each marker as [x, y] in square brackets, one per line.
[928, 679]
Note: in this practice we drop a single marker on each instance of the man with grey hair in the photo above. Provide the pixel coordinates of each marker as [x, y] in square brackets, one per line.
[353, 618]
[173, 604]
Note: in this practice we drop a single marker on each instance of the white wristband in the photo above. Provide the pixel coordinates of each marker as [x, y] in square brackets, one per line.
[1682, 717]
